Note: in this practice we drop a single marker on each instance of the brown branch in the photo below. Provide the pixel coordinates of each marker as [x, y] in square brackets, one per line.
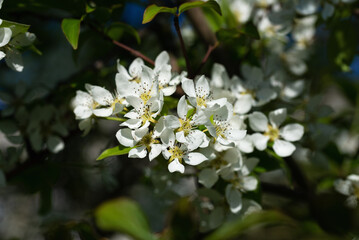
[133, 52]
[205, 58]
[121, 45]
[183, 47]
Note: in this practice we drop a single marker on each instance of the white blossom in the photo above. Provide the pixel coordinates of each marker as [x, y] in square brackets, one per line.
[271, 132]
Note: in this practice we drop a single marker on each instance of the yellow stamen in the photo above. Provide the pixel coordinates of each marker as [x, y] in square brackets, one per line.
[272, 133]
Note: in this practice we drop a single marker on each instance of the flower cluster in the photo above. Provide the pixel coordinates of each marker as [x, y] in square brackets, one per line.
[11, 40]
[208, 128]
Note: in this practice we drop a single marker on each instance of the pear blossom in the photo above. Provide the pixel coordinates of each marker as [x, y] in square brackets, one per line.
[177, 153]
[108, 104]
[224, 126]
[143, 112]
[242, 10]
[184, 126]
[271, 132]
[84, 105]
[142, 140]
[252, 92]
[199, 94]
[166, 84]
[304, 31]
[350, 188]
[241, 182]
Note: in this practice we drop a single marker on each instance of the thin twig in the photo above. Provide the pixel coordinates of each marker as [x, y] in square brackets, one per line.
[134, 52]
[123, 46]
[178, 30]
[205, 58]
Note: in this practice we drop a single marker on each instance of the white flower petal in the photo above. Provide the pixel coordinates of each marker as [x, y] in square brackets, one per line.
[175, 166]
[138, 152]
[208, 177]
[135, 68]
[249, 183]
[283, 148]
[202, 87]
[194, 139]
[243, 104]
[258, 122]
[125, 138]
[234, 198]
[5, 36]
[294, 89]
[82, 112]
[236, 135]
[248, 165]
[103, 112]
[132, 123]
[292, 132]
[180, 137]
[2, 55]
[194, 158]
[155, 151]
[182, 107]
[168, 91]
[188, 87]
[343, 186]
[134, 101]
[245, 145]
[138, 134]
[277, 117]
[260, 141]
[55, 144]
[172, 122]
[101, 95]
[162, 59]
[14, 60]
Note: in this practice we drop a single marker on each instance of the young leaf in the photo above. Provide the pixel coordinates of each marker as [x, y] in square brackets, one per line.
[231, 230]
[71, 29]
[115, 151]
[15, 27]
[250, 30]
[210, 4]
[123, 215]
[118, 29]
[152, 10]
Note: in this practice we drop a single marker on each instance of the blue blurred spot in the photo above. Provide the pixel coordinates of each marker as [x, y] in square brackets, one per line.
[133, 14]
[3, 105]
[355, 66]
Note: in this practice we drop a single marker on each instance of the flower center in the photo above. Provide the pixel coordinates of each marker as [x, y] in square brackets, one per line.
[185, 126]
[176, 152]
[147, 116]
[272, 133]
[250, 92]
[221, 128]
[145, 96]
[148, 140]
[201, 101]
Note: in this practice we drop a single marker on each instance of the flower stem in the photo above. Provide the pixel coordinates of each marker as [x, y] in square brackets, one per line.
[115, 119]
[183, 48]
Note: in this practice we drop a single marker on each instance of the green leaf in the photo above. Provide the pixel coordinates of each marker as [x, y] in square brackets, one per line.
[123, 215]
[190, 112]
[16, 28]
[115, 151]
[238, 227]
[152, 10]
[211, 119]
[118, 29]
[250, 30]
[71, 29]
[209, 4]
